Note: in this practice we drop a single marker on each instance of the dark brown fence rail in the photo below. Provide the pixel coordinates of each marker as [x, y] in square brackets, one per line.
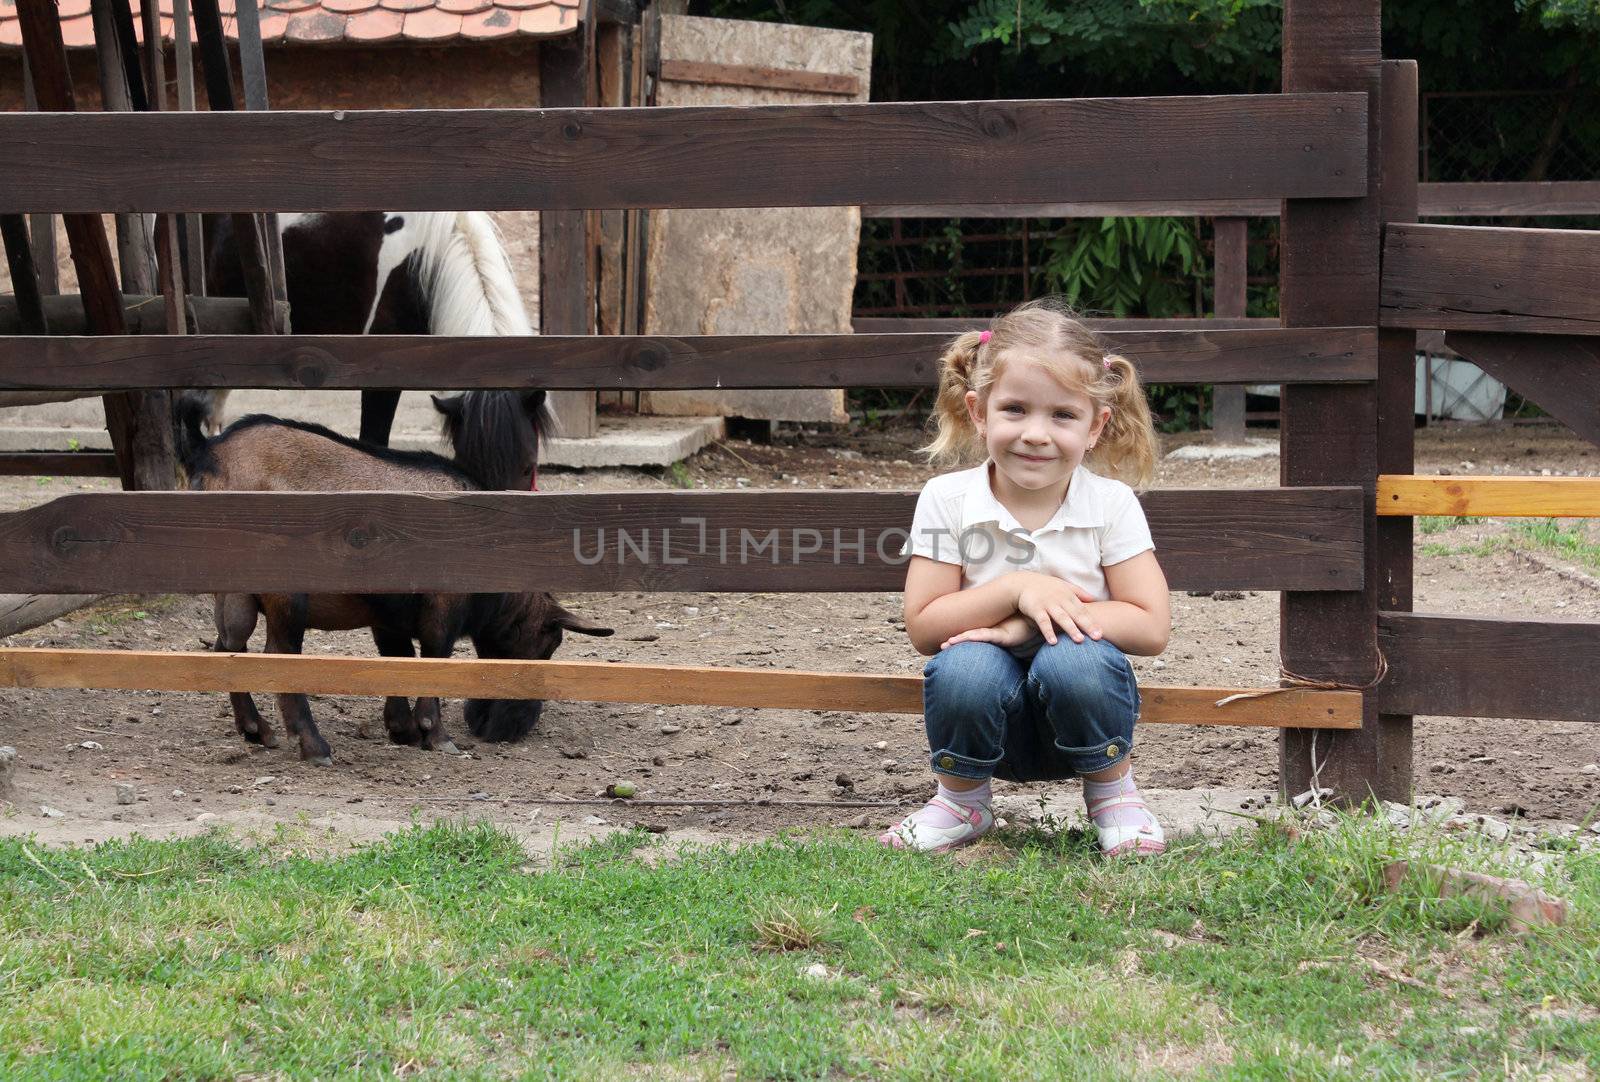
[204, 542]
[1257, 355]
[1484, 278]
[747, 156]
[1484, 667]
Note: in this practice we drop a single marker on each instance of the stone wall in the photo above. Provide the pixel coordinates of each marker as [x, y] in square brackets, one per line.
[769, 271]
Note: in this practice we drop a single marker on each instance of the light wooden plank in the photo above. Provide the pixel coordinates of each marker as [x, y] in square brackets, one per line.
[1501, 497]
[803, 82]
[599, 681]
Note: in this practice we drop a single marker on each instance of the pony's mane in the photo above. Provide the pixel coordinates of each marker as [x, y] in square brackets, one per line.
[462, 268]
[490, 435]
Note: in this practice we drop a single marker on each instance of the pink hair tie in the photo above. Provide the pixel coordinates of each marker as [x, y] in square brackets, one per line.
[1107, 362]
[984, 336]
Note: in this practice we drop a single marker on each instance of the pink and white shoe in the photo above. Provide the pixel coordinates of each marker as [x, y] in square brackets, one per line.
[972, 823]
[1141, 839]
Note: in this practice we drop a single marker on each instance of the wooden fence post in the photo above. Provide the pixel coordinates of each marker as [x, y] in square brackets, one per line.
[1330, 276]
[566, 299]
[1229, 299]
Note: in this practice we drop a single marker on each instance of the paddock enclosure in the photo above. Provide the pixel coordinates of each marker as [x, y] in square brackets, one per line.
[1336, 151]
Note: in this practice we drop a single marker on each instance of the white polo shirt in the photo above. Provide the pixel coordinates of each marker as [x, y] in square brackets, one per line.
[959, 521]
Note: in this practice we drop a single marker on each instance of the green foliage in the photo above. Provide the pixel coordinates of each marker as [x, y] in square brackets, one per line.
[1126, 266]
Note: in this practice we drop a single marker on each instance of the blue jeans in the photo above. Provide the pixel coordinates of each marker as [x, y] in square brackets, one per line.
[1067, 710]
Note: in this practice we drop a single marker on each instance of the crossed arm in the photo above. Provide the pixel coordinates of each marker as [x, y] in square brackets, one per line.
[1008, 610]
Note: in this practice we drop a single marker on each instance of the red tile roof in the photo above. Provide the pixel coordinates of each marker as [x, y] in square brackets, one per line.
[334, 22]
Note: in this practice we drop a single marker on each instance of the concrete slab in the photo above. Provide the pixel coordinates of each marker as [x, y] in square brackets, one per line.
[621, 441]
[1208, 452]
[1212, 812]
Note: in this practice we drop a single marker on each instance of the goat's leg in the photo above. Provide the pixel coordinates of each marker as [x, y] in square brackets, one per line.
[436, 641]
[397, 715]
[377, 414]
[235, 616]
[286, 634]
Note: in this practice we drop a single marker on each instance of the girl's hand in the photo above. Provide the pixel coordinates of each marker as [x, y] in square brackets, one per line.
[1012, 631]
[1050, 602]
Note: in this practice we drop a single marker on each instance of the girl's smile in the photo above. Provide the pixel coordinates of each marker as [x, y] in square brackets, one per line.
[1037, 431]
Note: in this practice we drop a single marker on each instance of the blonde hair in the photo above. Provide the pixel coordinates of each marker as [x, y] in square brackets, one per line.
[1045, 332]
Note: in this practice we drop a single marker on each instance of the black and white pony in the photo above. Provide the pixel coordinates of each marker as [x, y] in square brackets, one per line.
[381, 272]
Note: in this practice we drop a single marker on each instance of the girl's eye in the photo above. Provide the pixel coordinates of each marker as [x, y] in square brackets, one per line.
[1013, 409]
[1064, 415]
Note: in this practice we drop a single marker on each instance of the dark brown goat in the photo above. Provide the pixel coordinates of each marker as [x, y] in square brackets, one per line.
[495, 438]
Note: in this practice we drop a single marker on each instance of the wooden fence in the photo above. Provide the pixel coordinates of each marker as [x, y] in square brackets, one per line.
[1337, 149]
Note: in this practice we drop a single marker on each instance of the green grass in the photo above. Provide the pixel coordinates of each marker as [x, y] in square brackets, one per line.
[448, 953]
[1571, 541]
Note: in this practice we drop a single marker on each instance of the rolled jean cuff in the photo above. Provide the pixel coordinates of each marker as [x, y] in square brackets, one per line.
[1097, 757]
[946, 761]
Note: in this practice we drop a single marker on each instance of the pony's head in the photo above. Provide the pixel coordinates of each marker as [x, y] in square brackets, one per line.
[496, 434]
[529, 627]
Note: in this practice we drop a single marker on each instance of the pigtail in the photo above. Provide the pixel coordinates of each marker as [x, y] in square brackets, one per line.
[1127, 447]
[956, 437]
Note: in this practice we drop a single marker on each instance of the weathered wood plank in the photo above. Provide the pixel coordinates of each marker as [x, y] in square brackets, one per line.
[1560, 372]
[141, 315]
[801, 81]
[58, 464]
[1485, 278]
[599, 681]
[204, 542]
[955, 325]
[615, 362]
[1477, 199]
[1501, 497]
[1510, 199]
[1487, 667]
[796, 155]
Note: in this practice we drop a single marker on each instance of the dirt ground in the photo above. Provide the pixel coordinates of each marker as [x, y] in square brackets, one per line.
[189, 768]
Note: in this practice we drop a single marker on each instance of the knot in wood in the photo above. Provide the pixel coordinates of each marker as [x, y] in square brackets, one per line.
[309, 366]
[359, 537]
[572, 129]
[63, 540]
[649, 357]
[997, 123]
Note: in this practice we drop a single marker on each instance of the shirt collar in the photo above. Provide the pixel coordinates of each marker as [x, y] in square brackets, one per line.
[1081, 508]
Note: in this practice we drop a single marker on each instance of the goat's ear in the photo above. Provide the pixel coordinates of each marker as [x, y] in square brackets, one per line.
[571, 621]
[450, 407]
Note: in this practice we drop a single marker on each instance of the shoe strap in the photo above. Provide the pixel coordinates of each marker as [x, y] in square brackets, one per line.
[970, 814]
[1110, 803]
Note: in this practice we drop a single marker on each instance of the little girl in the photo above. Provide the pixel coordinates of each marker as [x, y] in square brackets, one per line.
[1031, 578]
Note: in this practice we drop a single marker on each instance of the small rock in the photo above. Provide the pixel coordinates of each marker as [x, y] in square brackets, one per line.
[235, 789]
[479, 795]
[204, 817]
[593, 821]
[844, 781]
[890, 764]
[1158, 664]
[658, 760]
[573, 753]
[125, 793]
[177, 792]
[91, 745]
[269, 802]
[266, 779]
[860, 822]
[881, 745]
[669, 729]
[50, 813]
[8, 768]
[817, 971]
[1589, 768]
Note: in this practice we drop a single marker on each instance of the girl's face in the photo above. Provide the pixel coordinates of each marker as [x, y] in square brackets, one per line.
[1036, 430]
